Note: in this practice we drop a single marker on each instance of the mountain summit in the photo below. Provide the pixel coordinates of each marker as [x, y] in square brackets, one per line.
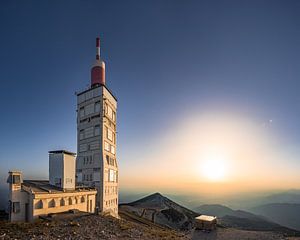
[161, 210]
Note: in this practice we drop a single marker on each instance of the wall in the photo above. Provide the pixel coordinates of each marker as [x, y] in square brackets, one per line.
[46, 198]
[16, 194]
[69, 172]
[55, 167]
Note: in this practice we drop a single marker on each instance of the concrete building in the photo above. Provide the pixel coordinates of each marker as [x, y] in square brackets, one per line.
[96, 164]
[29, 199]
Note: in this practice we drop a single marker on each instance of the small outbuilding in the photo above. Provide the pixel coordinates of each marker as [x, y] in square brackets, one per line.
[205, 222]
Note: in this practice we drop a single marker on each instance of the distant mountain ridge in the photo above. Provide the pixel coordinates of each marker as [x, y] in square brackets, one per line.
[244, 220]
[221, 211]
[161, 210]
[285, 214]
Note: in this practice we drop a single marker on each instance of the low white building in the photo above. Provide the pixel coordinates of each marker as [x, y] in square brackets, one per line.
[205, 222]
[29, 199]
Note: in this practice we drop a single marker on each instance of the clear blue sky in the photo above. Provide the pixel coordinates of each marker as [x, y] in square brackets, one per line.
[163, 59]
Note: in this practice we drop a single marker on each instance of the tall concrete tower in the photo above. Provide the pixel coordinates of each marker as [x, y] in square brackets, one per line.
[96, 163]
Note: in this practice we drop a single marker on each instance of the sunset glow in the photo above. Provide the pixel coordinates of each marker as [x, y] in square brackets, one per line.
[214, 168]
[214, 153]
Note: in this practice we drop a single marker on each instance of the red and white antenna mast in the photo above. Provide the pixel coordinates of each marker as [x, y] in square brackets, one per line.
[98, 69]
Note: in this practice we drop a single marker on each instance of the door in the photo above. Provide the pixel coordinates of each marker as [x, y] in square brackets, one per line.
[26, 212]
[91, 206]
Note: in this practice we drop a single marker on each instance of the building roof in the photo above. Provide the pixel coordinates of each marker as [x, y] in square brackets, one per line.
[206, 218]
[63, 151]
[43, 186]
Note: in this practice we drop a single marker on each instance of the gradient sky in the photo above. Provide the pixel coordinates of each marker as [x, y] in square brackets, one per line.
[186, 73]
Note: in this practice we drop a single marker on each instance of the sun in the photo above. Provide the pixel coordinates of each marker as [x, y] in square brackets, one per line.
[214, 168]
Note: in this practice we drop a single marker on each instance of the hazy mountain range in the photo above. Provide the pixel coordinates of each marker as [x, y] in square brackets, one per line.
[159, 209]
[285, 214]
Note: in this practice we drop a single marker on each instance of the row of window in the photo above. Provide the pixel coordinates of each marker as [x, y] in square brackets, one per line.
[109, 134]
[111, 161]
[89, 132]
[96, 92]
[109, 112]
[109, 148]
[111, 190]
[95, 108]
[91, 146]
[89, 109]
[59, 202]
[112, 202]
[87, 177]
[87, 160]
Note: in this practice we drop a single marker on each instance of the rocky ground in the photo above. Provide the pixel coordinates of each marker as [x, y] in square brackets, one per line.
[235, 234]
[85, 227]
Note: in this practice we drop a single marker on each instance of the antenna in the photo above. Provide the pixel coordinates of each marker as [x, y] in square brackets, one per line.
[98, 48]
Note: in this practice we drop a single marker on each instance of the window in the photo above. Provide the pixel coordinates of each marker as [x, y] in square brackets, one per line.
[70, 201]
[110, 112]
[16, 207]
[51, 204]
[16, 179]
[81, 112]
[94, 145]
[107, 159]
[105, 108]
[97, 107]
[91, 159]
[114, 116]
[82, 200]
[97, 130]
[89, 109]
[88, 95]
[83, 147]
[91, 177]
[62, 202]
[106, 146]
[38, 205]
[81, 134]
[109, 134]
[112, 149]
[89, 132]
[111, 161]
[111, 175]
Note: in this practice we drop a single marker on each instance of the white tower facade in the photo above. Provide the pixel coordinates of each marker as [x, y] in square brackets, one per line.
[96, 163]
